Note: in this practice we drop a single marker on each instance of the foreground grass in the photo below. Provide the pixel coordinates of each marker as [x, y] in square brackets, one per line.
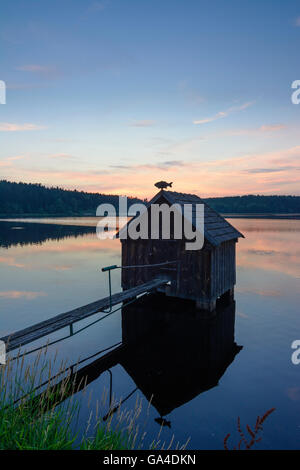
[20, 429]
[39, 414]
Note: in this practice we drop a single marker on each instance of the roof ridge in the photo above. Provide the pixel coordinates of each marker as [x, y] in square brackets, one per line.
[210, 233]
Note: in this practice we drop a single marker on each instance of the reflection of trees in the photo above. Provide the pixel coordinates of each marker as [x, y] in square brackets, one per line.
[35, 233]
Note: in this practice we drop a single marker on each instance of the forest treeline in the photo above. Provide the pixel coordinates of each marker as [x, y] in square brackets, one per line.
[36, 199]
[255, 204]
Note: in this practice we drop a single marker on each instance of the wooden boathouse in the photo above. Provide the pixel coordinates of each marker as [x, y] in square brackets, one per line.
[202, 275]
[164, 265]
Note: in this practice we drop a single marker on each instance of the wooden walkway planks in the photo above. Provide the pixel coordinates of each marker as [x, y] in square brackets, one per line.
[44, 328]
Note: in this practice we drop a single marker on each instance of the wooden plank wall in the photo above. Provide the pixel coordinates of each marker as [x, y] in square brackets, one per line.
[222, 268]
[147, 252]
[203, 275]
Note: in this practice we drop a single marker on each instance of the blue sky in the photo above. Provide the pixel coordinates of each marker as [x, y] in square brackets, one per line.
[113, 95]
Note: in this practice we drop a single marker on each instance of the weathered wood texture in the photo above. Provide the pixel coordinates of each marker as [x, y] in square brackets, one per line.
[222, 269]
[204, 274]
[146, 253]
[45, 328]
[201, 275]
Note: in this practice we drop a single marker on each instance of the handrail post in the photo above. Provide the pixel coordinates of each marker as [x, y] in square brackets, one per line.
[109, 268]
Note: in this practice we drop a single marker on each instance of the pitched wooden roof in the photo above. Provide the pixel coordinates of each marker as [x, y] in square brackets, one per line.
[216, 229]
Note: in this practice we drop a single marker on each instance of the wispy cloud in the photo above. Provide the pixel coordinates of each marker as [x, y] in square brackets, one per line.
[261, 252]
[13, 127]
[17, 157]
[64, 156]
[223, 114]
[121, 167]
[24, 86]
[264, 129]
[98, 6]
[271, 170]
[272, 127]
[7, 162]
[264, 173]
[191, 95]
[172, 163]
[143, 123]
[46, 71]
[34, 68]
[297, 22]
[62, 140]
[165, 165]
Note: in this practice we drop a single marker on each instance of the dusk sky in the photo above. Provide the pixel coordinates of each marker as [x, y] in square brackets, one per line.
[113, 95]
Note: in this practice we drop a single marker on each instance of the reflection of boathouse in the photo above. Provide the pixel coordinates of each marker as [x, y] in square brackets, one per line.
[169, 350]
[202, 275]
[172, 353]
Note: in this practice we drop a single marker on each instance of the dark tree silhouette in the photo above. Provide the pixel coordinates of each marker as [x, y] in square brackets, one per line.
[17, 199]
[25, 199]
[252, 204]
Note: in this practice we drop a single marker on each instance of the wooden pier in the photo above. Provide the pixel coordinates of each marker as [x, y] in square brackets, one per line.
[47, 327]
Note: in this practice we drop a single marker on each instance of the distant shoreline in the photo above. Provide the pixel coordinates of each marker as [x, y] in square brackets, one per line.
[262, 216]
[18, 217]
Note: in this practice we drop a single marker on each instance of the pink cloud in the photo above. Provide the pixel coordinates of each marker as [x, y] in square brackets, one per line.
[13, 127]
[272, 127]
[266, 128]
[7, 162]
[143, 123]
[265, 173]
[61, 155]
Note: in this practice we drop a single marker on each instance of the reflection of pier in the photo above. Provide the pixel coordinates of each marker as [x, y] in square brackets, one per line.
[169, 350]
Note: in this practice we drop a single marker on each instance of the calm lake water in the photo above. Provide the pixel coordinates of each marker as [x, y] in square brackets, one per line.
[201, 381]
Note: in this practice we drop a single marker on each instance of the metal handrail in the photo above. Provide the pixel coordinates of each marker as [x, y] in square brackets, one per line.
[115, 266]
[109, 268]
